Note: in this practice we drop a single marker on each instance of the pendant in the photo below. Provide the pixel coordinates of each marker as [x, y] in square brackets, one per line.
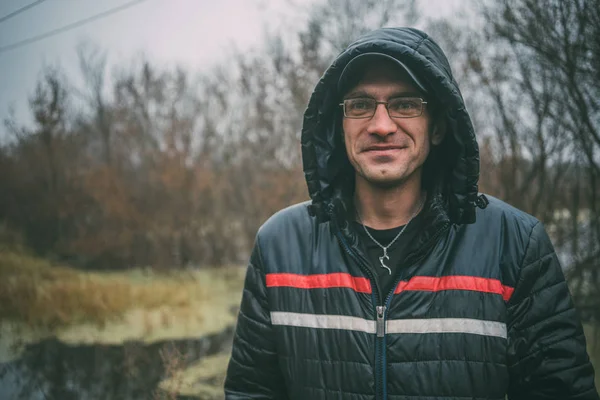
[385, 256]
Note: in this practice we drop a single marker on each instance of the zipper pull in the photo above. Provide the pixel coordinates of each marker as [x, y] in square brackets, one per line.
[380, 327]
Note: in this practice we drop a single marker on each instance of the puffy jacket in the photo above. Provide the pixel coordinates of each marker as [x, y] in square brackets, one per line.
[480, 310]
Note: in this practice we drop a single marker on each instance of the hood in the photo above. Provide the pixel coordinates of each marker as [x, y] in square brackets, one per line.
[328, 173]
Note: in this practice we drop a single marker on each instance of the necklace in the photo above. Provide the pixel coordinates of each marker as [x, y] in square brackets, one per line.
[385, 248]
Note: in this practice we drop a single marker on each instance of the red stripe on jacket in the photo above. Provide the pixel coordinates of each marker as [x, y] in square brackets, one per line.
[417, 283]
[320, 281]
[455, 282]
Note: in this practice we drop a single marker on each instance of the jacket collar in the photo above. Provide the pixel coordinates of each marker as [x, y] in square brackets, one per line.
[434, 219]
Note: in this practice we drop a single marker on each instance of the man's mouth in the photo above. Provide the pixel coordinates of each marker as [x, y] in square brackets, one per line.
[382, 148]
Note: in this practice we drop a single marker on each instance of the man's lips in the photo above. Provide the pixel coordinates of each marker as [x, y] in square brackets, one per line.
[383, 148]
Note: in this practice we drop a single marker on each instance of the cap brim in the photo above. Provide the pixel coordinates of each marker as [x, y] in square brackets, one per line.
[357, 64]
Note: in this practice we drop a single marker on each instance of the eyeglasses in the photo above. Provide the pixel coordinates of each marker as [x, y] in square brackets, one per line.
[398, 107]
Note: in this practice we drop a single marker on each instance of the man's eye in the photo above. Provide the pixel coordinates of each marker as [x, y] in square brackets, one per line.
[404, 105]
[360, 104]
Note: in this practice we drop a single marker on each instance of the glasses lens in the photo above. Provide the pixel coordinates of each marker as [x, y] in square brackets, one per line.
[405, 107]
[360, 108]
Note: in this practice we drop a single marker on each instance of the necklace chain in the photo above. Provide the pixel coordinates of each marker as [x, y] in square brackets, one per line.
[385, 248]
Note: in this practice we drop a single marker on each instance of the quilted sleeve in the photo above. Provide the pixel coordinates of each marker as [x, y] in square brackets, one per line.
[547, 355]
[253, 371]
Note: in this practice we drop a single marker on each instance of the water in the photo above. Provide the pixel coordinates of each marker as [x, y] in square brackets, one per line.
[50, 369]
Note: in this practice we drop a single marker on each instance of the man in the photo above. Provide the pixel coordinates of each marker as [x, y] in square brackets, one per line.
[398, 281]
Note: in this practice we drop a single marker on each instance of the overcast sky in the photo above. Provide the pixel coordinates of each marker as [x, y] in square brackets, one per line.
[193, 33]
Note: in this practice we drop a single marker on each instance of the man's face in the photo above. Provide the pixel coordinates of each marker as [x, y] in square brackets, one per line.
[387, 151]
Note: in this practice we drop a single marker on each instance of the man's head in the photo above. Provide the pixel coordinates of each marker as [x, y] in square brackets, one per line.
[386, 142]
[451, 170]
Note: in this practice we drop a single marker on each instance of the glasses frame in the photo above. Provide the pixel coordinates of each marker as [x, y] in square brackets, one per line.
[385, 103]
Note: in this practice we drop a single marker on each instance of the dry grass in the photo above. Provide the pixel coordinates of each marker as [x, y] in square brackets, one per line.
[42, 295]
[173, 362]
[593, 347]
[203, 379]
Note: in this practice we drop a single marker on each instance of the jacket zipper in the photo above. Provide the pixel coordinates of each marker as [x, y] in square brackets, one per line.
[380, 329]
[380, 310]
[380, 332]
[379, 317]
[388, 299]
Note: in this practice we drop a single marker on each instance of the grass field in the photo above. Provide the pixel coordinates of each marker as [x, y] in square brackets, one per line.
[39, 299]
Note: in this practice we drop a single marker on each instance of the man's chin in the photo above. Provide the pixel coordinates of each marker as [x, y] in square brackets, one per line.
[385, 182]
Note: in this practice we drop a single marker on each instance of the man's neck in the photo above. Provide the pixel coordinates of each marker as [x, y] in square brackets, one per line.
[387, 207]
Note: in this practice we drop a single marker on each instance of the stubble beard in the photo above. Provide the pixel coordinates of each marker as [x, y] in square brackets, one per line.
[382, 182]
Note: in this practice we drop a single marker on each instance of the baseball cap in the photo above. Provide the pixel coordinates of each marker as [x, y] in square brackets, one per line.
[354, 68]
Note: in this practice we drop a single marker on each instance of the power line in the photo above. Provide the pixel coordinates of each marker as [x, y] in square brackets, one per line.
[20, 10]
[69, 26]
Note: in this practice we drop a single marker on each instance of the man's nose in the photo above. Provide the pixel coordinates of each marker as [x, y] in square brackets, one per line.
[381, 124]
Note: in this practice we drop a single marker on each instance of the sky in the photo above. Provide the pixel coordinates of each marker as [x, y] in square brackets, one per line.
[195, 34]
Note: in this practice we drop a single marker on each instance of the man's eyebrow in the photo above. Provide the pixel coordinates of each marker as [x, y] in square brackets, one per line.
[406, 94]
[357, 93]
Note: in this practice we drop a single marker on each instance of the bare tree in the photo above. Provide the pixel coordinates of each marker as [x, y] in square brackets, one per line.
[543, 79]
[92, 63]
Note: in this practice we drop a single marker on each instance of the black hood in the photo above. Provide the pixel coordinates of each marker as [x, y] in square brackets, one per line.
[328, 173]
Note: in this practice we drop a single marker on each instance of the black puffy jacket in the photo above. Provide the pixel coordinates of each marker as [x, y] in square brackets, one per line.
[480, 310]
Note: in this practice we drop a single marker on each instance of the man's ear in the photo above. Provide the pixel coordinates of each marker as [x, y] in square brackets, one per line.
[438, 133]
